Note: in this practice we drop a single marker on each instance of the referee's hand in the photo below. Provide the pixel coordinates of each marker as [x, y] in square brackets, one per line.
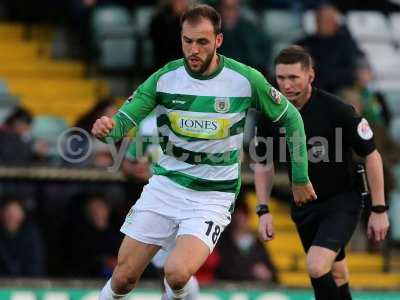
[303, 193]
[266, 228]
[102, 127]
[378, 225]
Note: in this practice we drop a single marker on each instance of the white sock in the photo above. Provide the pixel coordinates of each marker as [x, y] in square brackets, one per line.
[188, 292]
[108, 294]
[192, 289]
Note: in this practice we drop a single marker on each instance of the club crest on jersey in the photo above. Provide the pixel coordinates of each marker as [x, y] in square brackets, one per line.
[363, 130]
[275, 95]
[222, 104]
[130, 98]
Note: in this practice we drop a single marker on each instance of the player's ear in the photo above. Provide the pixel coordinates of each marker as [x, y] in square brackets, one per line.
[218, 40]
[311, 75]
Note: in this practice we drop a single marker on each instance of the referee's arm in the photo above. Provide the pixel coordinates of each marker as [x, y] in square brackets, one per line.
[378, 223]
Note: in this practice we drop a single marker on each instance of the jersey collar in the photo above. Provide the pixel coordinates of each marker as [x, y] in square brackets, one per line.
[207, 77]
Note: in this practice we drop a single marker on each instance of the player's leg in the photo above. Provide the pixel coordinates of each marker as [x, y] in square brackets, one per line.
[185, 260]
[198, 233]
[159, 261]
[319, 265]
[308, 222]
[340, 274]
[133, 258]
[342, 214]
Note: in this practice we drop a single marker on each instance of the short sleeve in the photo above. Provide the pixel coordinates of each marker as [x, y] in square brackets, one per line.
[356, 131]
[267, 99]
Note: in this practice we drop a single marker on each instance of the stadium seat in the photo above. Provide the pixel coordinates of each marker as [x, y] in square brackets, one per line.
[117, 54]
[250, 15]
[142, 17]
[106, 18]
[7, 100]
[309, 22]
[368, 26]
[395, 129]
[384, 58]
[49, 129]
[3, 87]
[392, 98]
[394, 19]
[282, 25]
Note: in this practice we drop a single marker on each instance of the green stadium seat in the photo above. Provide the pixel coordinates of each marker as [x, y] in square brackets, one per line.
[142, 17]
[394, 214]
[392, 98]
[395, 129]
[110, 18]
[7, 100]
[49, 129]
[117, 54]
[3, 87]
[282, 25]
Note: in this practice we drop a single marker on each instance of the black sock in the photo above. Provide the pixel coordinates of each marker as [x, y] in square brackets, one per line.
[344, 291]
[325, 288]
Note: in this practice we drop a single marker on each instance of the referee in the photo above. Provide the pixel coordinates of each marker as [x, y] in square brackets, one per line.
[333, 130]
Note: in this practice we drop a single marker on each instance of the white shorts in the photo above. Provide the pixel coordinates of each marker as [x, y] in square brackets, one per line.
[166, 210]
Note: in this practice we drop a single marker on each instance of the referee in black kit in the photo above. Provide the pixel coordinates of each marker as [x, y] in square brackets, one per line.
[333, 130]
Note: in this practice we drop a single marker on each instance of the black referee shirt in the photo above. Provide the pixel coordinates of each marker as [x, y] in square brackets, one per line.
[332, 129]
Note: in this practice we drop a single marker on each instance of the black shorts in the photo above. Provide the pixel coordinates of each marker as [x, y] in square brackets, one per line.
[328, 223]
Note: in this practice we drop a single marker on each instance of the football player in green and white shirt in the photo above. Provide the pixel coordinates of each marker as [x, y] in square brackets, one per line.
[201, 103]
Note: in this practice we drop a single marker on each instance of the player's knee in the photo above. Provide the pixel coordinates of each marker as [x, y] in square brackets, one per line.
[340, 275]
[124, 278]
[177, 275]
[316, 268]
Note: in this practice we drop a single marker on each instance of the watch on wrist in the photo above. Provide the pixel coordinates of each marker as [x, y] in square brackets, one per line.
[262, 209]
[379, 208]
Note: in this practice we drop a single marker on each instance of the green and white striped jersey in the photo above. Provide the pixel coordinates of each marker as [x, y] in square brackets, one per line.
[201, 119]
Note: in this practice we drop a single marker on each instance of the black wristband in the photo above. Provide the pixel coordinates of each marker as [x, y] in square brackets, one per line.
[379, 208]
[262, 209]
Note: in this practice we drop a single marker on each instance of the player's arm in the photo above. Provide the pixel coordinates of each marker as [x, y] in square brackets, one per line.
[135, 109]
[278, 109]
[359, 135]
[263, 181]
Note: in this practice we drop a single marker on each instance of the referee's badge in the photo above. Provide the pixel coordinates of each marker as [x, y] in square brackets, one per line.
[275, 95]
[363, 130]
[222, 104]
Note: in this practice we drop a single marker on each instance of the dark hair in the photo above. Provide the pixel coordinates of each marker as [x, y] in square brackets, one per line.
[197, 12]
[295, 54]
[8, 200]
[19, 114]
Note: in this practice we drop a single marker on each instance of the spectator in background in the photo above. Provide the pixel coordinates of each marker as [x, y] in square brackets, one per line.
[255, 47]
[371, 105]
[17, 147]
[103, 107]
[21, 247]
[91, 243]
[242, 255]
[334, 51]
[165, 31]
[365, 98]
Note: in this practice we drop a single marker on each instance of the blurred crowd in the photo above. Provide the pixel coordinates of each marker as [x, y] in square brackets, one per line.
[72, 228]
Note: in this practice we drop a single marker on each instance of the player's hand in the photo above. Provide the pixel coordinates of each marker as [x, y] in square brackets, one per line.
[102, 127]
[378, 225]
[303, 193]
[266, 228]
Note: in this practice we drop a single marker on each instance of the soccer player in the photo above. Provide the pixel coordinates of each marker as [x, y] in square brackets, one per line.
[201, 102]
[333, 130]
